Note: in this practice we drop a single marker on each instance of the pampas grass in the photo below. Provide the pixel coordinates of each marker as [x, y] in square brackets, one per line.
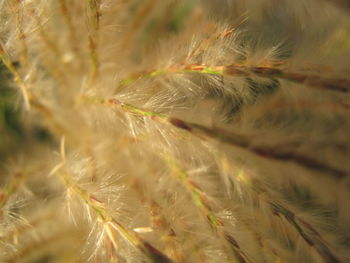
[174, 131]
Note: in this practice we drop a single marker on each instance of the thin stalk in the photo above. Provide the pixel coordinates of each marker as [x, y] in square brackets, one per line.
[182, 176]
[95, 10]
[317, 243]
[54, 48]
[103, 215]
[29, 98]
[237, 140]
[160, 222]
[202, 46]
[199, 197]
[240, 70]
[110, 223]
[21, 35]
[17, 78]
[201, 201]
[93, 57]
[94, 6]
[49, 43]
[309, 79]
[72, 31]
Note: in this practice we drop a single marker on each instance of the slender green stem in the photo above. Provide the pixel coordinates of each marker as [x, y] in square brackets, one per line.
[198, 196]
[241, 70]
[201, 201]
[109, 222]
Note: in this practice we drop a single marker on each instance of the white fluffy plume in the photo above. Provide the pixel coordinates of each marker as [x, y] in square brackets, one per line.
[176, 131]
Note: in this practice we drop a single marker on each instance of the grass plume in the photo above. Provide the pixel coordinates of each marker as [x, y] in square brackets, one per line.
[193, 131]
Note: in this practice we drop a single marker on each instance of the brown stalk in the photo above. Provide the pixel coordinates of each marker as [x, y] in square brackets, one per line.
[237, 140]
[21, 34]
[111, 224]
[309, 79]
[240, 70]
[316, 242]
[201, 201]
